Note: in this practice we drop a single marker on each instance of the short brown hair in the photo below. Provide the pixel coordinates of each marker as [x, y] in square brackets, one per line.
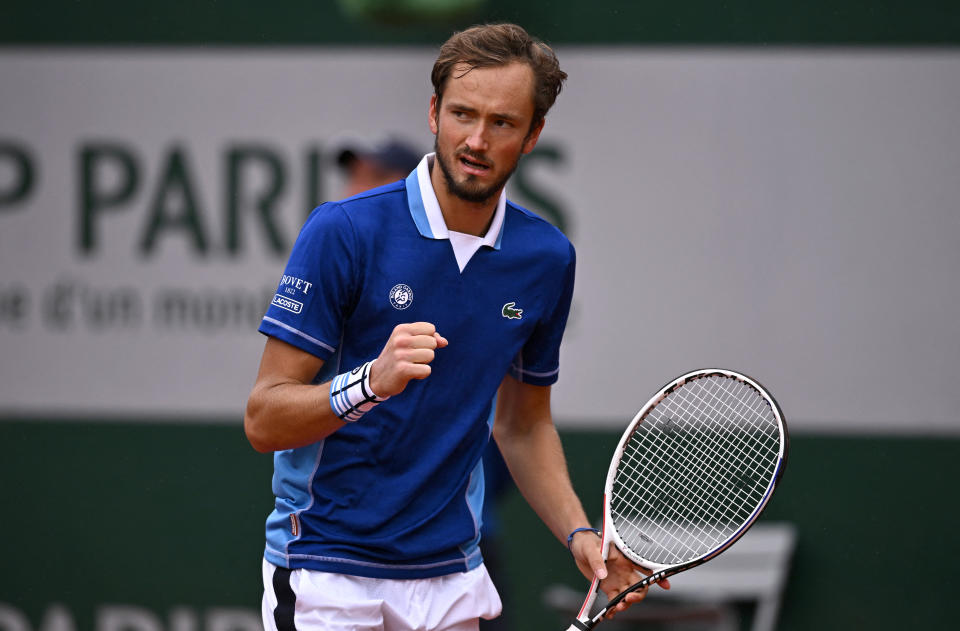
[491, 45]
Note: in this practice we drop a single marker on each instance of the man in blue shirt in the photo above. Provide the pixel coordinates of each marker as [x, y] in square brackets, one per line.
[402, 312]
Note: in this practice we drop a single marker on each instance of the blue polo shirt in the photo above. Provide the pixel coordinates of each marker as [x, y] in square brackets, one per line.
[398, 494]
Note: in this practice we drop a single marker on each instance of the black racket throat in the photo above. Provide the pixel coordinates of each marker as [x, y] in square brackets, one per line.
[647, 581]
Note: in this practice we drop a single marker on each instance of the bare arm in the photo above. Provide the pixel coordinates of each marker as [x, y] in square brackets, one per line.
[286, 410]
[531, 447]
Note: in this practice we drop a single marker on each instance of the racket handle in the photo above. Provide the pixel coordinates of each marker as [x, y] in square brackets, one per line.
[580, 625]
[656, 577]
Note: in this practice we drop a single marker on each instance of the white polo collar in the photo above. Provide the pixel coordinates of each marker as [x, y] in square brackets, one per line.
[425, 209]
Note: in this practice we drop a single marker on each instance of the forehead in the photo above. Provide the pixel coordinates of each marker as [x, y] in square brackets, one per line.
[507, 89]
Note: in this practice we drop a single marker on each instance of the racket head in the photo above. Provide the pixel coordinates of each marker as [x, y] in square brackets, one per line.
[694, 469]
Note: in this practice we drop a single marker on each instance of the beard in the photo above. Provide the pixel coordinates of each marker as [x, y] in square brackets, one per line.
[469, 190]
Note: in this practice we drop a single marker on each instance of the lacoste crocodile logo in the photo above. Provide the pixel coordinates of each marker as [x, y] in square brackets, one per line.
[510, 312]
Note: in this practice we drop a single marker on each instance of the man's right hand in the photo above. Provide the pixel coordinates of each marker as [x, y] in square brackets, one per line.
[406, 355]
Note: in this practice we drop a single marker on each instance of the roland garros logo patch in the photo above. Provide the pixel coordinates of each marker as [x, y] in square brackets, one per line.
[401, 296]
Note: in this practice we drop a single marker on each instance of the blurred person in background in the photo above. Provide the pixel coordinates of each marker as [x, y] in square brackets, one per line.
[369, 164]
[402, 313]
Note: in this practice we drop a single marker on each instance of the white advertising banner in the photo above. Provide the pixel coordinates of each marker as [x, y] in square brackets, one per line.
[788, 213]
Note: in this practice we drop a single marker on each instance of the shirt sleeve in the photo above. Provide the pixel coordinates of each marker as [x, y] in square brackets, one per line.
[538, 362]
[317, 289]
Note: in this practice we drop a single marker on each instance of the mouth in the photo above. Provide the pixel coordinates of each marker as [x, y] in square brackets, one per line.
[474, 166]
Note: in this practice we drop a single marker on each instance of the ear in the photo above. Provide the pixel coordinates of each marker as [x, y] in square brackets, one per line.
[434, 127]
[531, 140]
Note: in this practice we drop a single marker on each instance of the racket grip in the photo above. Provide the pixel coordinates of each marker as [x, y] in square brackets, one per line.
[656, 577]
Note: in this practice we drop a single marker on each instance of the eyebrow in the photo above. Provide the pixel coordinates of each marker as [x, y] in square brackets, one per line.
[453, 105]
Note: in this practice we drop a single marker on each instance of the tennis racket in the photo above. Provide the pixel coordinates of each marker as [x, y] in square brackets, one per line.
[691, 474]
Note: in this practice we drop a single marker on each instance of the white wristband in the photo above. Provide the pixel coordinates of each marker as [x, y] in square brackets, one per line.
[350, 394]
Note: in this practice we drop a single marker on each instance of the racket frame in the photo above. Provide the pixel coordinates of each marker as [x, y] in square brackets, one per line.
[660, 571]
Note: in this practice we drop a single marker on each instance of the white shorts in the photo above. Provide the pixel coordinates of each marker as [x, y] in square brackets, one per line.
[307, 600]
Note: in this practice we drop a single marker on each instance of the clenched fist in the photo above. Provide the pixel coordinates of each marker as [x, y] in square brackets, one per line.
[406, 355]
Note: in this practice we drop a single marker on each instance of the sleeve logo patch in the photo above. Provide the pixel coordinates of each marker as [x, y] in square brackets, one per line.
[510, 311]
[293, 306]
[292, 284]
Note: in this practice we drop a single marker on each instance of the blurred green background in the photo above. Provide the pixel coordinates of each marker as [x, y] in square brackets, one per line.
[170, 516]
[351, 22]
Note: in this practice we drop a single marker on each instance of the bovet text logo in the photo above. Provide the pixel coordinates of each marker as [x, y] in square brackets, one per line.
[292, 284]
[293, 306]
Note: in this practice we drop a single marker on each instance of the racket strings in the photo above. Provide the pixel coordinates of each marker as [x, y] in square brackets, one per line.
[746, 453]
[692, 534]
[728, 454]
[709, 507]
[693, 472]
[654, 503]
[706, 475]
[695, 458]
[659, 488]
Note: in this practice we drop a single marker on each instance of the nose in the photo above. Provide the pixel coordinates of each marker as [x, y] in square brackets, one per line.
[477, 140]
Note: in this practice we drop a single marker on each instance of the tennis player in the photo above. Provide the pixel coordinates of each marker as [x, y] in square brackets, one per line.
[401, 313]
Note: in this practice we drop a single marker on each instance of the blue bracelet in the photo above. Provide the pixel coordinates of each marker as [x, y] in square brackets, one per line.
[575, 531]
